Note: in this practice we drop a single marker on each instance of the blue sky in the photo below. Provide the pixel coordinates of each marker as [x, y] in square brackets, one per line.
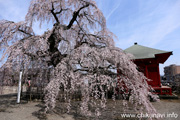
[152, 23]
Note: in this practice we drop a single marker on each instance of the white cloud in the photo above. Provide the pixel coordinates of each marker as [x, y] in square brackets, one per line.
[113, 10]
[151, 26]
[167, 24]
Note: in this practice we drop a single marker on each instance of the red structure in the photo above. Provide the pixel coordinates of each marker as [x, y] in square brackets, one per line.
[148, 60]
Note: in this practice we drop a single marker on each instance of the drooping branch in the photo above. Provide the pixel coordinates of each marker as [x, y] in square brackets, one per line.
[24, 32]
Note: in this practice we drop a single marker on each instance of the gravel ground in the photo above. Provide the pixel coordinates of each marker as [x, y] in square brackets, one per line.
[9, 110]
[169, 108]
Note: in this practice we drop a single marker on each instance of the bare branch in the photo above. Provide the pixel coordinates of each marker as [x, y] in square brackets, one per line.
[61, 11]
[75, 15]
[54, 14]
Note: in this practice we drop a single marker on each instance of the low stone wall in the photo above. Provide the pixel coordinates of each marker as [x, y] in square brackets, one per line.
[10, 89]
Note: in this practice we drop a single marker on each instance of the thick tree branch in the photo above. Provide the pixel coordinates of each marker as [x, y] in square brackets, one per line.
[55, 54]
[75, 14]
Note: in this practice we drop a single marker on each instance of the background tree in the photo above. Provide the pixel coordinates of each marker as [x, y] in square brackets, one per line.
[79, 48]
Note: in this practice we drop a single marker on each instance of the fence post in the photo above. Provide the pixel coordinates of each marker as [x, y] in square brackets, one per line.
[19, 87]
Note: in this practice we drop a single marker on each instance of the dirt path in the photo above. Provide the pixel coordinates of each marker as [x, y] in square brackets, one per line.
[169, 108]
[20, 112]
[9, 110]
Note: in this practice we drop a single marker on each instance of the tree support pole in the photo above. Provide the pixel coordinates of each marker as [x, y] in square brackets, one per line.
[19, 87]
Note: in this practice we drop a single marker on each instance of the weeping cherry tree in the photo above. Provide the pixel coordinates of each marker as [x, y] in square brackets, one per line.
[80, 50]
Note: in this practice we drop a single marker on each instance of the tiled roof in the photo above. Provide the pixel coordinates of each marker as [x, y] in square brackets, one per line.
[142, 52]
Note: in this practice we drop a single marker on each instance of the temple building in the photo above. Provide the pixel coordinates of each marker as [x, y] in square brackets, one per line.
[147, 61]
